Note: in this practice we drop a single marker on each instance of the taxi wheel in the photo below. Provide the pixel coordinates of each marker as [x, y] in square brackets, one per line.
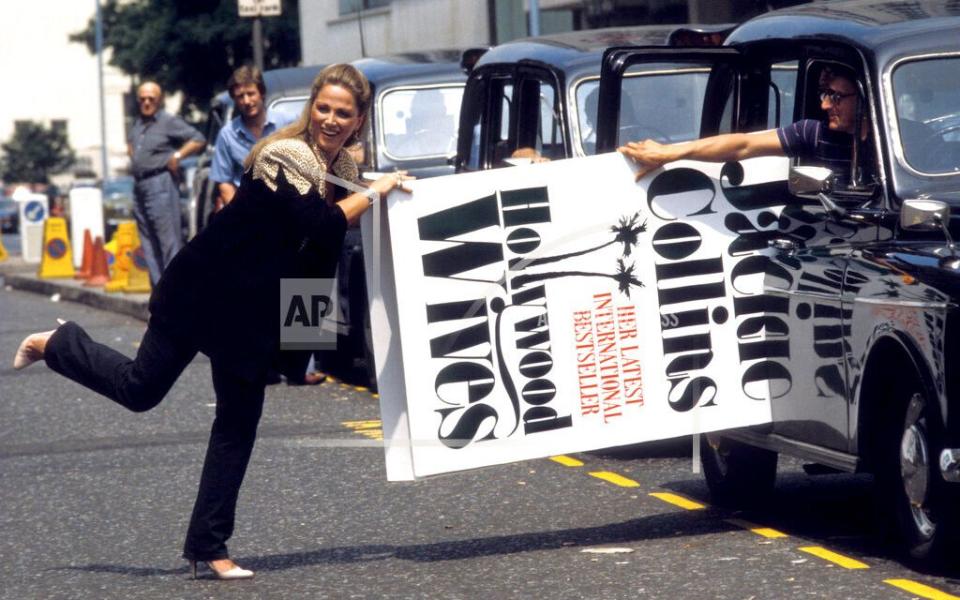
[911, 489]
[737, 474]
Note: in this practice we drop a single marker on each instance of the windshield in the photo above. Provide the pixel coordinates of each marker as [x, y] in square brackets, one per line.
[927, 96]
[287, 110]
[658, 101]
[420, 122]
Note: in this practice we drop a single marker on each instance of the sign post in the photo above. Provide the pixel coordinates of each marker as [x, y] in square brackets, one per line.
[34, 210]
[256, 9]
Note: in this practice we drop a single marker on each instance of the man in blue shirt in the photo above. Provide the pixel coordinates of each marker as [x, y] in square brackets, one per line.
[828, 143]
[235, 140]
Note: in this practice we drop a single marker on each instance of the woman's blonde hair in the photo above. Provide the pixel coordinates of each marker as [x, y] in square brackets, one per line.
[344, 75]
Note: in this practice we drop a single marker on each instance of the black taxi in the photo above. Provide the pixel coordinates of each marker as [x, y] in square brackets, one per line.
[540, 94]
[862, 276]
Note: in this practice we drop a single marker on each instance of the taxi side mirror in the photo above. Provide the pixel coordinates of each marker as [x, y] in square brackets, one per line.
[818, 181]
[923, 214]
[810, 180]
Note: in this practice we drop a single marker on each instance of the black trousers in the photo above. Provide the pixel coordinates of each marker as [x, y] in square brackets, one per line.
[141, 383]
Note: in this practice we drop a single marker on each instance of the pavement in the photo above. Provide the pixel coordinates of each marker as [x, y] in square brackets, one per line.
[20, 275]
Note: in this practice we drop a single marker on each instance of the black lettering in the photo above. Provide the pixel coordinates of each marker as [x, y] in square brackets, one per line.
[525, 206]
[444, 225]
[543, 418]
[467, 426]
[692, 391]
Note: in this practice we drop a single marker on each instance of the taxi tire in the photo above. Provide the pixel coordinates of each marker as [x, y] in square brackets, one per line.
[736, 473]
[924, 528]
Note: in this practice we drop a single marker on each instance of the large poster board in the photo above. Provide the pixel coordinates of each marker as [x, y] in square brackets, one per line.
[563, 307]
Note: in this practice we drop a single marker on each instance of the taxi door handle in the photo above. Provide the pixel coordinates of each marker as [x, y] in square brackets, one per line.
[783, 245]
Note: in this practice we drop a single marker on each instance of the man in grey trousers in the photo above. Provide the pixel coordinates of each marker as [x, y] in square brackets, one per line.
[157, 143]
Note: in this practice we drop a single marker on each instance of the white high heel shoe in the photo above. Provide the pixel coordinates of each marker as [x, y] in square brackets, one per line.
[234, 572]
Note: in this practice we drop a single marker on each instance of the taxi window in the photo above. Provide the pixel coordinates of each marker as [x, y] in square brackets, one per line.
[928, 113]
[421, 122]
[549, 134]
[662, 101]
[288, 110]
[783, 87]
[588, 94]
[506, 100]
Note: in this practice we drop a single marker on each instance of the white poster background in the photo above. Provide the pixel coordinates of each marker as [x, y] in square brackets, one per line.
[578, 386]
[382, 299]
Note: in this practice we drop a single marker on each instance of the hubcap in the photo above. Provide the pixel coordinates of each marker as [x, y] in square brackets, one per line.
[915, 466]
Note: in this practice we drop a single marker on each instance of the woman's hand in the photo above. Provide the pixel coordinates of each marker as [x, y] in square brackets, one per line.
[648, 154]
[394, 181]
[357, 203]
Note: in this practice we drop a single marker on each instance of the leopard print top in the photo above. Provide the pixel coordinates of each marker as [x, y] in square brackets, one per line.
[303, 165]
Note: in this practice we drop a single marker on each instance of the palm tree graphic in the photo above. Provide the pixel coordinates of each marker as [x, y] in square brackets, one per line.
[626, 233]
[624, 277]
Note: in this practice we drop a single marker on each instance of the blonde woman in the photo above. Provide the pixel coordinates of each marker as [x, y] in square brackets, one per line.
[287, 220]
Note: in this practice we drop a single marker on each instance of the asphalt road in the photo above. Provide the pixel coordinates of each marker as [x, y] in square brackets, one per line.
[94, 503]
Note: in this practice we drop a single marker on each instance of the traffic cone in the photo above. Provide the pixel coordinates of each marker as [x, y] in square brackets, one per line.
[138, 277]
[87, 265]
[126, 233]
[3, 251]
[57, 260]
[99, 272]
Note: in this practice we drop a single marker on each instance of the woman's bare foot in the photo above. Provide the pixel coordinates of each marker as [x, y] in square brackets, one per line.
[31, 349]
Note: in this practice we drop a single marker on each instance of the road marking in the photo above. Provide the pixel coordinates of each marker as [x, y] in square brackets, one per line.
[360, 388]
[838, 559]
[678, 501]
[357, 425]
[766, 532]
[567, 461]
[374, 394]
[918, 589]
[615, 479]
[371, 428]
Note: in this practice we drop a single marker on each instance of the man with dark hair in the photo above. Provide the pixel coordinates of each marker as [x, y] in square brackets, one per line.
[236, 138]
[158, 142]
[234, 141]
[828, 143]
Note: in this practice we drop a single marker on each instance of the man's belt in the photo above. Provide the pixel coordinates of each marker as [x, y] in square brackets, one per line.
[153, 172]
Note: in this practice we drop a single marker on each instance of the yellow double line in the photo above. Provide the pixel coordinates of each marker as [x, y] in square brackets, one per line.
[374, 429]
[913, 587]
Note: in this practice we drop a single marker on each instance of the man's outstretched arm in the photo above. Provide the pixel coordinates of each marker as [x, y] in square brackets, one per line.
[650, 155]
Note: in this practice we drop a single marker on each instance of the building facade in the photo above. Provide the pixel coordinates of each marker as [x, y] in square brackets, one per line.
[54, 81]
[343, 30]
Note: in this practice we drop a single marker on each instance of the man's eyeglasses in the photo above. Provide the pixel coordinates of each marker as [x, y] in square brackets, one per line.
[834, 96]
[147, 99]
